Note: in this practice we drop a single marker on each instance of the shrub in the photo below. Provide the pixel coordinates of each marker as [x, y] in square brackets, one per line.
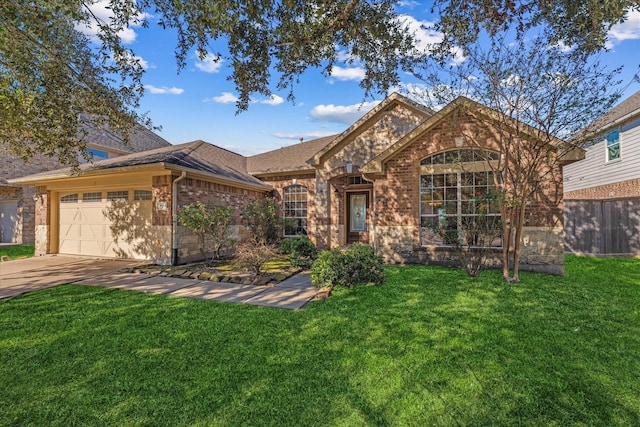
[302, 252]
[211, 224]
[262, 218]
[253, 255]
[351, 266]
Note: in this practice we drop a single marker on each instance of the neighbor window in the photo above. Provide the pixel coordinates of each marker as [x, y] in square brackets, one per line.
[613, 145]
[455, 198]
[294, 207]
[97, 154]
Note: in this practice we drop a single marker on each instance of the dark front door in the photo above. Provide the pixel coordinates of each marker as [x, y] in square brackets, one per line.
[357, 217]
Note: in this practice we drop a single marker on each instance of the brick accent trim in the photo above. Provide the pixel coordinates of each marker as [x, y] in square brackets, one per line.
[617, 190]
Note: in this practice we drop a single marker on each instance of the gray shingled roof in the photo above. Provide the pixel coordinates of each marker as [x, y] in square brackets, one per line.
[140, 138]
[198, 156]
[287, 159]
[626, 107]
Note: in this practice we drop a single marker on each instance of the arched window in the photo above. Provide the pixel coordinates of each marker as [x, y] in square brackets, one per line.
[294, 209]
[458, 201]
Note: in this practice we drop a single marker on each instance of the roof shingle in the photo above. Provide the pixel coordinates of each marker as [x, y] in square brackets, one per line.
[287, 159]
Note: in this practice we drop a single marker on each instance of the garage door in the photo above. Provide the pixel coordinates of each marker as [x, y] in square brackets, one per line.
[114, 224]
[8, 219]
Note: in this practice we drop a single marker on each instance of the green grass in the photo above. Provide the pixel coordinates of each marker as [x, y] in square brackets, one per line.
[17, 251]
[430, 347]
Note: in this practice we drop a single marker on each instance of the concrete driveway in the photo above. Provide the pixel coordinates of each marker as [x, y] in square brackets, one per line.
[30, 274]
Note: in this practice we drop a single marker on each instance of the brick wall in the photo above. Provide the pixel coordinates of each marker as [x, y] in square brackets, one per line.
[279, 183]
[192, 190]
[617, 190]
[397, 203]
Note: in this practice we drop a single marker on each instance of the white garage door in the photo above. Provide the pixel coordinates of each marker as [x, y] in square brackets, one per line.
[115, 224]
[8, 219]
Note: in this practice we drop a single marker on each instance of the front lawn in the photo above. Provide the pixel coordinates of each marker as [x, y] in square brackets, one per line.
[17, 251]
[430, 347]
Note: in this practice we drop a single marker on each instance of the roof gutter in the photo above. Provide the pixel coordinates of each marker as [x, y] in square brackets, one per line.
[174, 212]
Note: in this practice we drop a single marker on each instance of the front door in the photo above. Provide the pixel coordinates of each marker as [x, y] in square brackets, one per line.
[357, 212]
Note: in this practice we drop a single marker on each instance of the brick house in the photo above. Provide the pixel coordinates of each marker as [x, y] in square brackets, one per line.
[382, 181]
[602, 192]
[17, 205]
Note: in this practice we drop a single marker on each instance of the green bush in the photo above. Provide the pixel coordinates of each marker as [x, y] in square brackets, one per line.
[262, 217]
[212, 225]
[302, 252]
[351, 266]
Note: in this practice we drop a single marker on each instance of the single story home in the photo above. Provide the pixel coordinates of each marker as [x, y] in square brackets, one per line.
[383, 181]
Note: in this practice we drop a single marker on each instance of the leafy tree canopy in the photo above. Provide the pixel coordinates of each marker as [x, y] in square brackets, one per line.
[50, 71]
[582, 23]
[52, 74]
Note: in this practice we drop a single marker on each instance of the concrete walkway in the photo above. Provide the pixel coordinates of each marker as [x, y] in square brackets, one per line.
[20, 276]
[291, 293]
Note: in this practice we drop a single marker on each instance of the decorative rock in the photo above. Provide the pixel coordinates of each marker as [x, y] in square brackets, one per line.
[247, 280]
[205, 275]
[215, 278]
[261, 280]
[178, 273]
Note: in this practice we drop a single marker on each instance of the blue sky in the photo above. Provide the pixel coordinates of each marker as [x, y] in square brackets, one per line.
[199, 102]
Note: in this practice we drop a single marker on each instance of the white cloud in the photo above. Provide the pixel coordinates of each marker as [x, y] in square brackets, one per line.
[346, 114]
[355, 73]
[223, 98]
[209, 64]
[163, 90]
[628, 30]
[423, 32]
[272, 100]
[426, 37]
[408, 3]
[135, 58]
[102, 12]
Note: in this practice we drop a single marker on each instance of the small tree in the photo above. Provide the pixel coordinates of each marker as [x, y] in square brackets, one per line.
[262, 217]
[211, 224]
[530, 95]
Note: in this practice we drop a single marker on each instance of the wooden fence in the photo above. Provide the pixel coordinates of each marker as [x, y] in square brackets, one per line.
[602, 227]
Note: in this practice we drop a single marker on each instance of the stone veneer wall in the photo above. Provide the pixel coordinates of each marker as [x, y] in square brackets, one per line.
[42, 229]
[192, 190]
[397, 210]
[25, 222]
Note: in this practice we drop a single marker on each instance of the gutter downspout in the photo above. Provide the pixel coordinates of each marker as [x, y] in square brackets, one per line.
[174, 211]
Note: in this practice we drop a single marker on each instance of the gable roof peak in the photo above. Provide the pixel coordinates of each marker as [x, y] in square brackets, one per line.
[361, 124]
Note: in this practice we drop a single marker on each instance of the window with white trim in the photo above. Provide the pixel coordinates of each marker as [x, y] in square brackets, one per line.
[454, 197]
[294, 210]
[613, 145]
[97, 154]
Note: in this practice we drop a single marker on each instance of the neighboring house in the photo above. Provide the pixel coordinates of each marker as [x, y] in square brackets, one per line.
[17, 204]
[384, 181]
[602, 192]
